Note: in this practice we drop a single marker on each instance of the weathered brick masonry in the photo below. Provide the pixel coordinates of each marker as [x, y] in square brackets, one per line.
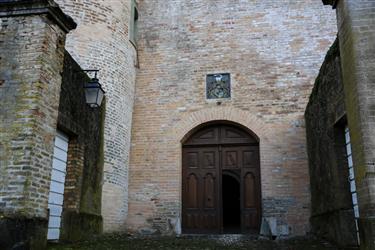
[32, 39]
[356, 26]
[101, 41]
[273, 51]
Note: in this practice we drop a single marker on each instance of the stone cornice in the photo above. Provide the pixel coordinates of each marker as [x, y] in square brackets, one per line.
[331, 2]
[37, 7]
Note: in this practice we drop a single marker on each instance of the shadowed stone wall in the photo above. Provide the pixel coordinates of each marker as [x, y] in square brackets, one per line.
[83, 185]
[332, 214]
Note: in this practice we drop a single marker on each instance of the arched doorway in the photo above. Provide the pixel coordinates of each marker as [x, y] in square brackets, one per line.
[221, 180]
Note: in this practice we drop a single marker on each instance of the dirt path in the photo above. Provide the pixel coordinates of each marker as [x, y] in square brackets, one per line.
[220, 242]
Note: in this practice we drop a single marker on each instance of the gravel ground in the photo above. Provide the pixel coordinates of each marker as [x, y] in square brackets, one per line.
[218, 242]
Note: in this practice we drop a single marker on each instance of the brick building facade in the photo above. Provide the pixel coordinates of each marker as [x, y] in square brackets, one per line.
[155, 60]
[273, 51]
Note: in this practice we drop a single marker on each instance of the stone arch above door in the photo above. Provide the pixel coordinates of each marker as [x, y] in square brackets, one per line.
[191, 121]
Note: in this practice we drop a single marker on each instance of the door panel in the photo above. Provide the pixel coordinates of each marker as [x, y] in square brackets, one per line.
[193, 160]
[200, 196]
[210, 159]
[231, 159]
[192, 192]
[251, 202]
[233, 135]
[249, 190]
[209, 192]
[250, 157]
[246, 158]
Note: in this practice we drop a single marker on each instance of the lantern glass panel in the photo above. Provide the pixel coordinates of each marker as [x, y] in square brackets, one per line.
[91, 96]
[100, 96]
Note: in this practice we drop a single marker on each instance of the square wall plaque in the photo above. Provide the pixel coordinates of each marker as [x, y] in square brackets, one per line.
[218, 86]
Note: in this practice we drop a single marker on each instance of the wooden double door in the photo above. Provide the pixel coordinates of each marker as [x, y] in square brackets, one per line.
[211, 156]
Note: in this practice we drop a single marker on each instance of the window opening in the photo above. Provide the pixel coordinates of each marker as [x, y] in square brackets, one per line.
[133, 23]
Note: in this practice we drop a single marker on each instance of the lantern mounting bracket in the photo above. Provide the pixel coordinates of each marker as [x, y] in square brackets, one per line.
[92, 70]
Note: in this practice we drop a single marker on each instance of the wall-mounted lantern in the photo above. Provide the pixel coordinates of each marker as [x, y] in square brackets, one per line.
[93, 90]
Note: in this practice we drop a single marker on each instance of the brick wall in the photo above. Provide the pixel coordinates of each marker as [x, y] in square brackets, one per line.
[273, 50]
[29, 93]
[101, 41]
[32, 38]
[357, 46]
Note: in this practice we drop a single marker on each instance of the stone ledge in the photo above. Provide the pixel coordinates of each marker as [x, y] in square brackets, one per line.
[10, 8]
